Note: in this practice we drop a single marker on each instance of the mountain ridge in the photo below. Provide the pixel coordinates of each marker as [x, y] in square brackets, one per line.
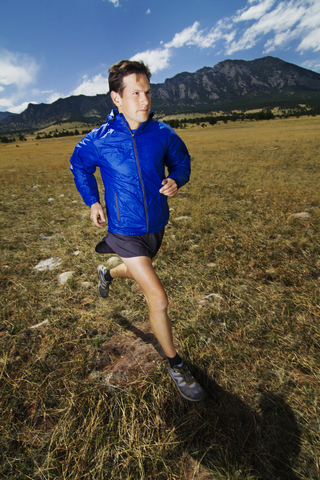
[230, 84]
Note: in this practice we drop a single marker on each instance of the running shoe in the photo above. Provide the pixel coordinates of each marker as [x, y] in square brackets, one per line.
[187, 385]
[103, 285]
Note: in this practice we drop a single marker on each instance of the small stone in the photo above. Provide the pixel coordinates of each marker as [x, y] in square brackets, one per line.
[113, 262]
[76, 253]
[86, 284]
[214, 297]
[51, 237]
[242, 288]
[212, 265]
[48, 264]
[64, 277]
[272, 272]
[301, 215]
[214, 300]
[203, 302]
[178, 219]
[51, 199]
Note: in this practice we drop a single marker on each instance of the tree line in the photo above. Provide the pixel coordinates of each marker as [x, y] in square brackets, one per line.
[238, 116]
[63, 133]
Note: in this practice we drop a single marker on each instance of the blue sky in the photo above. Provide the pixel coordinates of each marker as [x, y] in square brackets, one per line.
[56, 49]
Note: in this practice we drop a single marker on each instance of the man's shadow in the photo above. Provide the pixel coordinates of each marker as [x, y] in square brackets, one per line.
[224, 433]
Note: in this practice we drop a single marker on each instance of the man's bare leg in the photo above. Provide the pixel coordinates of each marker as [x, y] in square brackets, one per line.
[141, 270]
[121, 271]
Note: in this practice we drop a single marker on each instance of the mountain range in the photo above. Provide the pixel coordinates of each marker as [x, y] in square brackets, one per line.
[232, 84]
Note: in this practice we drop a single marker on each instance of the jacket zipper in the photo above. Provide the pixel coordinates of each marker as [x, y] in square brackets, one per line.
[117, 206]
[140, 176]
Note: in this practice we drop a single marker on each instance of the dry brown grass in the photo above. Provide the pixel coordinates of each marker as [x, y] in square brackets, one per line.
[257, 355]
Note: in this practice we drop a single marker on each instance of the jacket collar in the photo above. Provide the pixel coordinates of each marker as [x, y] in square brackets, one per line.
[115, 115]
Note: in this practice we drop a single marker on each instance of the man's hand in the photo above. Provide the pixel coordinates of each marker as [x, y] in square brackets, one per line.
[97, 215]
[170, 188]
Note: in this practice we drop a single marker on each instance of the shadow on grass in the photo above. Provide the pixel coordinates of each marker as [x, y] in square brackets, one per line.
[226, 434]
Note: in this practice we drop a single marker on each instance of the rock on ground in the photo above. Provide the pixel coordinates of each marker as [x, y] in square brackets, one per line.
[214, 300]
[64, 277]
[113, 262]
[48, 264]
[301, 215]
[178, 219]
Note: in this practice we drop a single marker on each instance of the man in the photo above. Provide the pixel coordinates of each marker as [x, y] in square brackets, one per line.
[132, 150]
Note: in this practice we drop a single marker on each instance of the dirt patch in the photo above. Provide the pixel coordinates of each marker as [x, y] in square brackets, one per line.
[128, 358]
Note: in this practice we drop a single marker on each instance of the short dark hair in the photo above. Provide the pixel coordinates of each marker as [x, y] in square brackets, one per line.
[119, 70]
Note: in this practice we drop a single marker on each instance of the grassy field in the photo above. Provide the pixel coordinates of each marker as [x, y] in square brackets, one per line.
[256, 353]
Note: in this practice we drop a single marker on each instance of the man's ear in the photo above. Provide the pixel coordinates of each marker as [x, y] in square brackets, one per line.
[115, 97]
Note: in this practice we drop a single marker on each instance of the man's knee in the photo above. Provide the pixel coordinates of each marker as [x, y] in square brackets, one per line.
[158, 302]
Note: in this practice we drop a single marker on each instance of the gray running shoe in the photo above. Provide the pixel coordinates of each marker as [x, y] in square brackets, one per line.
[103, 286]
[187, 385]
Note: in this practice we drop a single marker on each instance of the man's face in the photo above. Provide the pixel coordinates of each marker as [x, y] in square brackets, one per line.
[135, 102]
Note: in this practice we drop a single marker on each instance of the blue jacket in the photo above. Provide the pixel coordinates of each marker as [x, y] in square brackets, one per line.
[132, 166]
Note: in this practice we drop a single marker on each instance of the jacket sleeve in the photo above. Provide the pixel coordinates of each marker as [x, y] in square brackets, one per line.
[177, 160]
[84, 161]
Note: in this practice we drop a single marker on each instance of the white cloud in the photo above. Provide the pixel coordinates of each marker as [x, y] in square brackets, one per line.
[192, 36]
[312, 65]
[148, 11]
[278, 40]
[311, 24]
[92, 86]
[17, 69]
[20, 108]
[156, 60]
[283, 22]
[255, 12]
[311, 41]
[53, 96]
[185, 37]
[115, 2]
[12, 104]
[311, 19]
[17, 72]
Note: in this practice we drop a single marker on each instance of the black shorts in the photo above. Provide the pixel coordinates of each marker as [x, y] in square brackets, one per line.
[127, 246]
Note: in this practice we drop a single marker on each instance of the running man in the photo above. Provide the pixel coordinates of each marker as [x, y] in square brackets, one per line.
[132, 151]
